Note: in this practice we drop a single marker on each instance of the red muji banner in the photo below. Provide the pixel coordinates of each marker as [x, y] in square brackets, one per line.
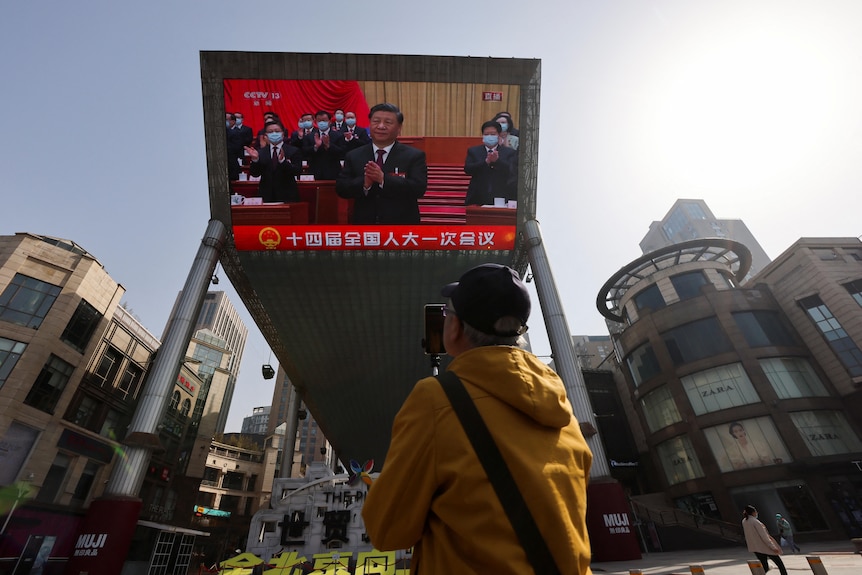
[392, 237]
[613, 534]
[104, 536]
[292, 98]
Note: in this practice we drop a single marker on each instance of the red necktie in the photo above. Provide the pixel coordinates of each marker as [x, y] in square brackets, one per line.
[380, 153]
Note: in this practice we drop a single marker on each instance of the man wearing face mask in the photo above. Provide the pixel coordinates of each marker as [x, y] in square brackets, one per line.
[260, 141]
[305, 124]
[493, 169]
[234, 147]
[277, 164]
[339, 120]
[354, 136]
[239, 136]
[246, 133]
[324, 148]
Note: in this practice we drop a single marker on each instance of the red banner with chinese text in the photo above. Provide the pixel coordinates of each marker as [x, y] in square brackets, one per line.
[382, 237]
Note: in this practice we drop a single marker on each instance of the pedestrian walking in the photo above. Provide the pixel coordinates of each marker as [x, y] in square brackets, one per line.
[759, 541]
[785, 532]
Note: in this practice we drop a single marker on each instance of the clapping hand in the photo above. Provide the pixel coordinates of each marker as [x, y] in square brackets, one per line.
[373, 173]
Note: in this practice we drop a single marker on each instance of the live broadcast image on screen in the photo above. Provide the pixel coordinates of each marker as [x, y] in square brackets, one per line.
[300, 168]
[335, 255]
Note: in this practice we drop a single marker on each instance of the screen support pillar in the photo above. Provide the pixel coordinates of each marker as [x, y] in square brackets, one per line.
[561, 345]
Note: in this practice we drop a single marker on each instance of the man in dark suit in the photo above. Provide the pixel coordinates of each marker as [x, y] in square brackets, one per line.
[354, 136]
[260, 141]
[324, 148]
[277, 164]
[338, 124]
[493, 169]
[246, 133]
[238, 137]
[305, 124]
[385, 178]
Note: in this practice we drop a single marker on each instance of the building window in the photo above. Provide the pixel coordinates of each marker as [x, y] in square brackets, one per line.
[15, 447]
[211, 475]
[85, 411]
[696, 340]
[108, 368]
[854, 253]
[111, 426]
[844, 347]
[229, 503]
[49, 385]
[10, 351]
[232, 480]
[855, 289]
[746, 444]
[678, 460]
[175, 400]
[688, 285]
[826, 432]
[252, 482]
[643, 364]
[54, 480]
[825, 254]
[660, 409]
[162, 552]
[719, 388]
[679, 220]
[763, 328]
[80, 328]
[649, 298]
[130, 379]
[792, 377]
[26, 301]
[186, 408]
[85, 483]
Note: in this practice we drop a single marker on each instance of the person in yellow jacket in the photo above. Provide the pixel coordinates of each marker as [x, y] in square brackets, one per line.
[433, 494]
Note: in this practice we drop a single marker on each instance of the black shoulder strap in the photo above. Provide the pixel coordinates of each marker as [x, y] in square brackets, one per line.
[498, 474]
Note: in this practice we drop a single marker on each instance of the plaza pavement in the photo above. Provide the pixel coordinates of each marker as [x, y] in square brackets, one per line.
[838, 557]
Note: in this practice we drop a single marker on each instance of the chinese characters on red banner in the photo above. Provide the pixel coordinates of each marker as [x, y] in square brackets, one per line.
[409, 237]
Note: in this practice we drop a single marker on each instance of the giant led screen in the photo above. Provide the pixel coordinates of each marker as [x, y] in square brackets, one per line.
[391, 153]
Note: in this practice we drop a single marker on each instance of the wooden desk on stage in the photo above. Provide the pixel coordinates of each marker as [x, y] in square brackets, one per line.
[323, 204]
[482, 216]
[271, 215]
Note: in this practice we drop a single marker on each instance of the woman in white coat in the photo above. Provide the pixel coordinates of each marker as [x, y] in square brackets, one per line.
[759, 541]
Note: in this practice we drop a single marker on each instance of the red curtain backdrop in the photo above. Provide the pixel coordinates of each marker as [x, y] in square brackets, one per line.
[291, 98]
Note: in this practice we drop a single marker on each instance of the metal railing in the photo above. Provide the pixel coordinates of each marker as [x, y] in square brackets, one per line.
[670, 516]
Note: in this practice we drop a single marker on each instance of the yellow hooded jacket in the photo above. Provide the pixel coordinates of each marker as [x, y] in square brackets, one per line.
[433, 493]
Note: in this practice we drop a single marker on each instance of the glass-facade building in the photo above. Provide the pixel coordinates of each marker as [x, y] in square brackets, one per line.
[736, 403]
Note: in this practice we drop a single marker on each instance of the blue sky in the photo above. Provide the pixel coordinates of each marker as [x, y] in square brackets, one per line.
[751, 106]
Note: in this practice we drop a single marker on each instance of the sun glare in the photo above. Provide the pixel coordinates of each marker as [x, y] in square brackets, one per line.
[746, 111]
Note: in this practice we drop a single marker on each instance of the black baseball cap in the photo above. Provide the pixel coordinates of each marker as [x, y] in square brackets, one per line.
[487, 293]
